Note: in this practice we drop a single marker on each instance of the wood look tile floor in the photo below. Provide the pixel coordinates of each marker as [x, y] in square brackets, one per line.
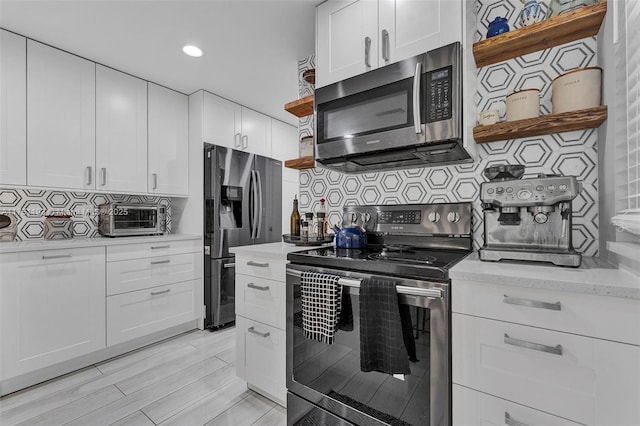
[187, 380]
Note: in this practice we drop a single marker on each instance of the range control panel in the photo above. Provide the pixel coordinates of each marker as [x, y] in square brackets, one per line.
[403, 217]
[530, 192]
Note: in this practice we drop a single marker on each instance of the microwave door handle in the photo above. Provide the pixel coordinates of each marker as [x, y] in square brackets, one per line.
[416, 100]
[259, 227]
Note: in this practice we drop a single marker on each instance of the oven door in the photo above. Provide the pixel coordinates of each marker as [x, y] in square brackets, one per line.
[329, 376]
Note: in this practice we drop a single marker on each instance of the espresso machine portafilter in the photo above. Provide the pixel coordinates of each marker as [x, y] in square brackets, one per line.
[529, 219]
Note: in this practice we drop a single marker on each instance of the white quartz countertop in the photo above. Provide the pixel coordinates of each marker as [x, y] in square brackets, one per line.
[594, 276]
[280, 249]
[32, 245]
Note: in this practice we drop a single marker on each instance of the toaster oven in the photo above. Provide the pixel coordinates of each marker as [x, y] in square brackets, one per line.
[127, 219]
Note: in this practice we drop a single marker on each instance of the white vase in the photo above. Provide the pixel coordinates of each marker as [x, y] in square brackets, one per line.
[531, 13]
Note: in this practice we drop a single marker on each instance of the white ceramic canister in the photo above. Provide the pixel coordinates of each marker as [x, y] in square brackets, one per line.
[577, 89]
[523, 104]
[489, 116]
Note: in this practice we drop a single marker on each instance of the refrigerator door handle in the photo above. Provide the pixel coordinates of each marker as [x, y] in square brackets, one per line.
[259, 227]
[254, 206]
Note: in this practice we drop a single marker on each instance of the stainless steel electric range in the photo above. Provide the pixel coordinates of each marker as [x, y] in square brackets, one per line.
[414, 246]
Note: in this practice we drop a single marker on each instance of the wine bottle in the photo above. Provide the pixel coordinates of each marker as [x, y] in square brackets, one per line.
[295, 218]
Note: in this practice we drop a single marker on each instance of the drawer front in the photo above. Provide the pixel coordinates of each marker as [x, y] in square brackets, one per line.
[261, 300]
[142, 312]
[261, 356]
[160, 248]
[475, 408]
[261, 266]
[546, 370]
[583, 314]
[137, 274]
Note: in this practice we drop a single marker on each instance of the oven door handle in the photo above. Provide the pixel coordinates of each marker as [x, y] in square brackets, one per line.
[433, 293]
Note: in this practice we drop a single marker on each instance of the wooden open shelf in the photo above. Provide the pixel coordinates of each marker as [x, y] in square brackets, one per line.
[577, 24]
[301, 163]
[544, 125]
[301, 107]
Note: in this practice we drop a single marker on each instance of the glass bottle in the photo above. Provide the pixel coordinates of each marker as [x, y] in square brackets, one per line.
[295, 218]
[322, 210]
[304, 231]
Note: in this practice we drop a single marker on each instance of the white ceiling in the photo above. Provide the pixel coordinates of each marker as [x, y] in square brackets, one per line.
[250, 47]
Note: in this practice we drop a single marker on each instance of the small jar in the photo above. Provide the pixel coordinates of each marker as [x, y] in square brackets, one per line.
[321, 225]
[304, 231]
[497, 26]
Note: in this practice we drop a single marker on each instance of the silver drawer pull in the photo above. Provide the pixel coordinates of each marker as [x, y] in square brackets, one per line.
[556, 350]
[57, 256]
[160, 247]
[157, 262]
[508, 420]
[155, 293]
[259, 264]
[532, 303]
[257, 287]
[229, 265]
[252, 330]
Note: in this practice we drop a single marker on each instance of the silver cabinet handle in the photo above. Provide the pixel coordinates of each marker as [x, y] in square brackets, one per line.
[89, 175]
[252, 330]
[416, 100]
[229, 265]
[385, 45]
[508, 420]
[103, 176]
[57, 256]
[257, 287]
[245, 141]
[258, 264]
[236, 140]
[532, 303]
[367, 51]
[155, 293]
[160, 247]
[158, 262]
[555, 350]
[154, 177]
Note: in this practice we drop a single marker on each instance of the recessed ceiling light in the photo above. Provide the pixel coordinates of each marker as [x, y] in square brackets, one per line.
[192, 51]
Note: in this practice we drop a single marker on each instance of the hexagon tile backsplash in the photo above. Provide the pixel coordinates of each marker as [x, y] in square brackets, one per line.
[571, 153]
[31, 206]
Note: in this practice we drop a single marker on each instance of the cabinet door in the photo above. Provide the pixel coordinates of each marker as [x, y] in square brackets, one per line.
[61, 106]
[261, 356]
[411, 27]
[168, 147]
[121, 131]
[256, 132]
[284, 141]
[222, 121]
[346, 39]
[13, 107]
[52, 306]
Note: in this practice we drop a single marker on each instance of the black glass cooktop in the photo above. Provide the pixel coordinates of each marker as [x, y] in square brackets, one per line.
[402, 261]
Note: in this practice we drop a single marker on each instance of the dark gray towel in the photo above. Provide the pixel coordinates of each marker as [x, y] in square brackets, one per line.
[382, 345]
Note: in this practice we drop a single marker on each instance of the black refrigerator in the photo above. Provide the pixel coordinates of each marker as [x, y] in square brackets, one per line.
[242, 206]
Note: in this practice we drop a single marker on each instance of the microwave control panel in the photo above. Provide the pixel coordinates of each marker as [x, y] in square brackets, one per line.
[438, 100]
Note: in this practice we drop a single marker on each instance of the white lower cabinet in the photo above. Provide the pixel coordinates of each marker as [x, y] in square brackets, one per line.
[142, 312]
[475, 408]
[261, 299]
[52, 307]
[261, 356]
[523, 356]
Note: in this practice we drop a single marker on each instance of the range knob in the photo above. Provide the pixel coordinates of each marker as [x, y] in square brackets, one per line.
[453, 217]
[434, 217]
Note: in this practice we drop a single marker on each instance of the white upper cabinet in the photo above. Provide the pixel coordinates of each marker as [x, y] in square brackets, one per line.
[222, 121]
[346, 39]
[412, 27]
[284, 141]
[234, 126]
[13, 109]
[121, 131]
[168, 142]
[256, 132]
[61, 119]
[357, 36]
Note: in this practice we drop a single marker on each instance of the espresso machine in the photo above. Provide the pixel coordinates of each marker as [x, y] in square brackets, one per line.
[528, 219]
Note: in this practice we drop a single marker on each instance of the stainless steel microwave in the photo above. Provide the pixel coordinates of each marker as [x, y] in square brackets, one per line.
[406, 114]
[126, 219]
